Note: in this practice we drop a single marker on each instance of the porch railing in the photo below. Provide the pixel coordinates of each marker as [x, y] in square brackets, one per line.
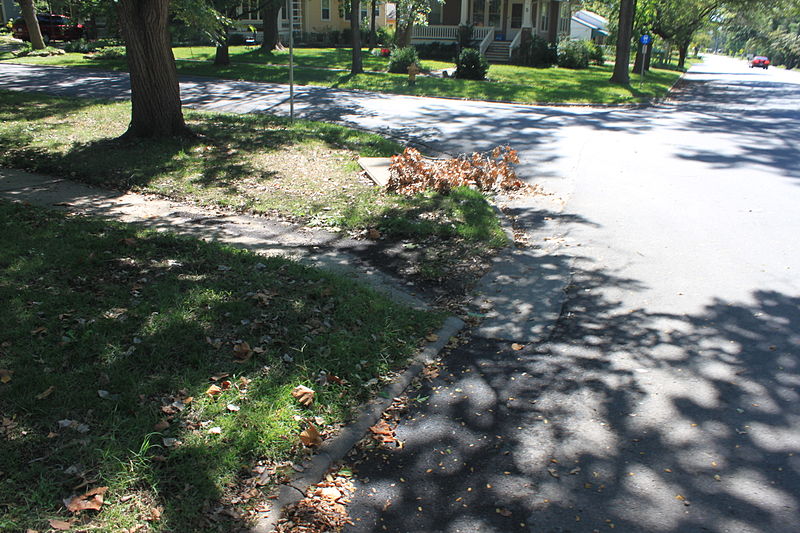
[487, 41]
[515, 42]
[481, 32]
[436, 33]
[447, 33]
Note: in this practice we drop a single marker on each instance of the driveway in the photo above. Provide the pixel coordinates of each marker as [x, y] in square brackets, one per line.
[659, 310]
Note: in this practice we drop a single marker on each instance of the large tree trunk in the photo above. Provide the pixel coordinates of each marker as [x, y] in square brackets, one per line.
[626, 11]
[271, 35]
[403, 34]
[638, 62]
[155, 94]
[32, 23]
[373, 34]
[222, 56]
[355, 29]
[683, 49]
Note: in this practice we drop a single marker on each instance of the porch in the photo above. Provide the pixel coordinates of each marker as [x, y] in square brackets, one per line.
[497, 24]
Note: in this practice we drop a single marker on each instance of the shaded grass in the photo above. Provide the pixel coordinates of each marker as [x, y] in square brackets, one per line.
[253, 163]
[90, 305]
[506, 82]
[257, 163]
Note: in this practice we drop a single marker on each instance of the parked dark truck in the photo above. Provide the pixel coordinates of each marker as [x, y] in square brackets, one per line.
[54, 28]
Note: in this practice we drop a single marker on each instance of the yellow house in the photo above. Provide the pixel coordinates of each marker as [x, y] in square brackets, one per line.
[498, 25]
[313, 20]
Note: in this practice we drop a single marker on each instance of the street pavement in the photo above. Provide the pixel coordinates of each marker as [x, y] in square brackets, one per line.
[659, 310]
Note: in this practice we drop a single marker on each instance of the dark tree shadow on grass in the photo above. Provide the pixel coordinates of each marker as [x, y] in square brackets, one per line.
[132, 315]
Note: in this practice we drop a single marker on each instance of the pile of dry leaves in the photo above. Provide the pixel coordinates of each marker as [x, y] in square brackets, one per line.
[323, 509]
[411, 173]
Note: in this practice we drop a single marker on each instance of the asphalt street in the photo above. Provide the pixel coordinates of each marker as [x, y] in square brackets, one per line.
[657, 389]
[665, 398]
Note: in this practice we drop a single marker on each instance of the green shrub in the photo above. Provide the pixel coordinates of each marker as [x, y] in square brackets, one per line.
[573, 54]
[464, 39]
[471, 65]
[436, 50]
[108, 52]
[26, 50]
[385, 35]
[402, 58]
[83, 46]
[537, 53]
[596, 54]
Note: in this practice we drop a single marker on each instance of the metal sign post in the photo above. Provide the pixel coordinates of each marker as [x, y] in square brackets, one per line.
[291, 70]
[645, 40]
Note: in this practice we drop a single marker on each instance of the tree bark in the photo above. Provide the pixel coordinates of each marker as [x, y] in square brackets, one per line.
[626, 11]
[155, 94]
[683, 49]
[355, 29]
[638, 62]
[271, 34]
[222, 56]
[403, 35]
[32, 23]
[373, 35]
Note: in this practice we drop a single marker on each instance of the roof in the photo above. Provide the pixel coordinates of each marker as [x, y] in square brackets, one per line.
[593, 27]
[593, 20]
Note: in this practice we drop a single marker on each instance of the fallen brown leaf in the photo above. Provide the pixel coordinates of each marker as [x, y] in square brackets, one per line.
[517, 347]
[90, 500]
[383, 432]
[310, 436]
[154, 514]
[5, 375]
[46, 393]
[213, 390]
[242, 352]
[304, 395]
[60, 525]
[373, 234]
[161, 425]
[433, 337]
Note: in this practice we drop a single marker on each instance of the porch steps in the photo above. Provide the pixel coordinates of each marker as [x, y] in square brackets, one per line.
[498, 52]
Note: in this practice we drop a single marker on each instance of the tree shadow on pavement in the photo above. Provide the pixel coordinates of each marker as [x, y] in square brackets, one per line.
[622, 419]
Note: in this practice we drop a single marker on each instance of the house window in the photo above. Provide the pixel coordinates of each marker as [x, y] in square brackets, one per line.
[516, 16]
[285, 10]
[249, 10]
[363, 5]
[326, 9]
[435, 16]
[564, 17]
[478, 12]
[543, 18]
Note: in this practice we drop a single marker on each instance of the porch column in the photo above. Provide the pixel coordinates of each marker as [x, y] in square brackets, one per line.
[464, 12]
[527, 15]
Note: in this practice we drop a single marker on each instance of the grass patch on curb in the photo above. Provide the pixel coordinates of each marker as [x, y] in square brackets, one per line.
[119, 324]
[249, 163]
[508, 83]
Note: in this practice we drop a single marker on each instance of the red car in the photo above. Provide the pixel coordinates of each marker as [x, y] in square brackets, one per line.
[760, 61]
[54, 28]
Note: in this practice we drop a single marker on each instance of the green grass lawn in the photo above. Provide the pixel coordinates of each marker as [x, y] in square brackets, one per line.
[506, 82]
[110, 339]
[248, 163]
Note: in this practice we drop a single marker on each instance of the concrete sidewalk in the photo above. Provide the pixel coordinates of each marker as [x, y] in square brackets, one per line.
[314, 247]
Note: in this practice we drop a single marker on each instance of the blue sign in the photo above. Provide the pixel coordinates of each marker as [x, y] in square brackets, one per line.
[645, 39]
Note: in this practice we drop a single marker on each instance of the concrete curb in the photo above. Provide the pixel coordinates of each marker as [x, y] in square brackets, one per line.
[336, 448]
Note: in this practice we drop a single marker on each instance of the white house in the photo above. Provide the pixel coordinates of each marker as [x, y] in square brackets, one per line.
[588, 26]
